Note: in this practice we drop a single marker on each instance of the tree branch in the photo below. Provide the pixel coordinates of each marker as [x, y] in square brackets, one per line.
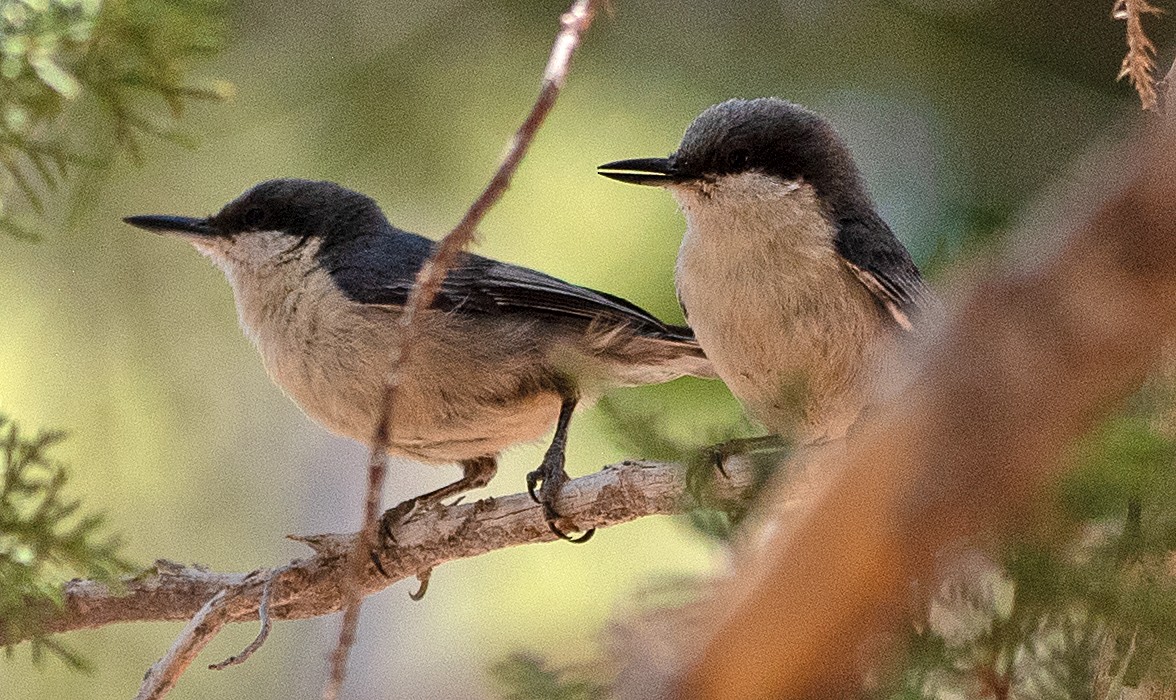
[573, 24]
[314, 586]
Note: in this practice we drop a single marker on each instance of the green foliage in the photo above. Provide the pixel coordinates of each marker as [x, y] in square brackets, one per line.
[1099, 598]
[1125, 459]
[644, 435]
[124, 55]
[981, 229]
[44, 541]
[526, 677]
[1089, 605]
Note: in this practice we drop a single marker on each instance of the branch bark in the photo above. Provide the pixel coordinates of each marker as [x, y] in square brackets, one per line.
[312, 587]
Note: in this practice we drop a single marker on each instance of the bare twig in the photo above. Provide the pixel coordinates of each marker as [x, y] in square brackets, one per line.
[199, 631]
[428, 282]
[312, 587]
[1139, 64]
[267, 590]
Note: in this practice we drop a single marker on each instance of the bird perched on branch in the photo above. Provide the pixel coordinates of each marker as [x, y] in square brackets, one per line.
[320, 279]
[790, 279]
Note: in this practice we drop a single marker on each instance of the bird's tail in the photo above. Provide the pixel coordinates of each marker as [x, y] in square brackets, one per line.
[650, 356]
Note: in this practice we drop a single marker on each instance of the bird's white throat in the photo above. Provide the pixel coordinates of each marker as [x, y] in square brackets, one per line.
[754, 209]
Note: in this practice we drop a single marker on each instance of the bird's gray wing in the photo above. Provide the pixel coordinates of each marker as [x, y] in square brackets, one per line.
[882, 264]
[384, 272]
[481, 281]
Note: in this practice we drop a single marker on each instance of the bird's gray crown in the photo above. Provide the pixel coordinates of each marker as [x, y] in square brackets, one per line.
[772, 136]
[302, 208]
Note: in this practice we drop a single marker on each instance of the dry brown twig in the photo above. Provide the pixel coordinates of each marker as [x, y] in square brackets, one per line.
[1166, 91]
[263, 607]
[1139, 65]
[199, 631]
[573, 23]
[203, 627]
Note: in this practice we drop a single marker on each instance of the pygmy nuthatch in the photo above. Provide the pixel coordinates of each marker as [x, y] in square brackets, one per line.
[320, 278]
[792, 282]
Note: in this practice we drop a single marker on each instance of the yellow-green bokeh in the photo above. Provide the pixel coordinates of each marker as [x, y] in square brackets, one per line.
[130, 341]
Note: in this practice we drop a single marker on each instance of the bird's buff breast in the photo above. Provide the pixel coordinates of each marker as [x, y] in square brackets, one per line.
[333, 356]
[786, 325]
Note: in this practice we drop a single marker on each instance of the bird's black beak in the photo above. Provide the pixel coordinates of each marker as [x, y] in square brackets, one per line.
[658, 172]
[176, 225]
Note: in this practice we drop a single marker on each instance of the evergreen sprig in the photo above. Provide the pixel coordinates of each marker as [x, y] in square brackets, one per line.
[127, 56]
[527, 677]
[44, 539]
[1085, 612]
[641, 433]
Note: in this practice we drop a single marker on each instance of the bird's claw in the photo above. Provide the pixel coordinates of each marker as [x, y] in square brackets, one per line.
[375, 557]
[551, 517]
[423, 577]
[750, 447]
[389, 521]
[717, 456]
[393, 517]
[549, 479]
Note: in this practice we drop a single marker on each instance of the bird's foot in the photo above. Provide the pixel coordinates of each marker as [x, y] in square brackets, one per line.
[389, 521]
[394, 517]
[549, 478]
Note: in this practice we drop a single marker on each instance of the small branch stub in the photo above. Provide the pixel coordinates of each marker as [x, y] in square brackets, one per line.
[266, 624]
[202, 628]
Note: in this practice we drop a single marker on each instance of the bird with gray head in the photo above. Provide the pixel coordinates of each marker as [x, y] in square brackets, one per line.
[791, 280]
[320, 279]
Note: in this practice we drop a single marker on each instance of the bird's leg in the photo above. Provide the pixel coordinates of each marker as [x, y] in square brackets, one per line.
[476, 473]
[552, 475]
[720, 453]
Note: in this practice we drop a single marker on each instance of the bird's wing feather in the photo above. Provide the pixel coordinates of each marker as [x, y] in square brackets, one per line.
[509, 286]
[882, 264]
[482, 285]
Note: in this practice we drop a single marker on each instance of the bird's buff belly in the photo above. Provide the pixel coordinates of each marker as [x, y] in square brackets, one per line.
[425, 427]
[794, 377]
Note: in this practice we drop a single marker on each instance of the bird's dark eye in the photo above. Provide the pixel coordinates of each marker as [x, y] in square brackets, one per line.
[737, 158]
[253, 217]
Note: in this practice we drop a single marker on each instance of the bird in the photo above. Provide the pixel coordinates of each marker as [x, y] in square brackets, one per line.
[320, 279]
[792, 282]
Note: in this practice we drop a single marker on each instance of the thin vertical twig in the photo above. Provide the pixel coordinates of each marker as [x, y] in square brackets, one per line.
[573, 24]
[1164, 90]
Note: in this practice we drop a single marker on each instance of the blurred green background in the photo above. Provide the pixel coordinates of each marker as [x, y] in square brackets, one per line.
[960, 113]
